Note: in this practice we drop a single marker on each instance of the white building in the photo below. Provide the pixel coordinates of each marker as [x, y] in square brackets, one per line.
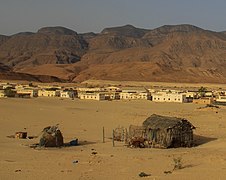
[2, 94]
[67, 94]
[221, 99]
[28, 91]
[48, 93]
[85, 89]
[7, 85]
[92, 96]
[112, 89]
[134, 95]
[169, 97]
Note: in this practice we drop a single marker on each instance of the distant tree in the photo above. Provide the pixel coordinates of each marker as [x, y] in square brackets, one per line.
[9, 92]
[202, 90]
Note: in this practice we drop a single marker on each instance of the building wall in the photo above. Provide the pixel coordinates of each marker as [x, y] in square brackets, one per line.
[169, 97]
[112, 96]
[203, 101]
[67, 94]
[134, 95]
[221, 99]
[92, 96]
[47, 93]
[90, 89]
[32, 92]
[2, 94]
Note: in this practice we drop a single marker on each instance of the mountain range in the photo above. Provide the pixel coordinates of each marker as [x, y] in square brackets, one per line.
[171, 53]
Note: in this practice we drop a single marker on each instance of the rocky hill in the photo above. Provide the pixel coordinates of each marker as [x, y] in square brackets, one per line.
[171, 53]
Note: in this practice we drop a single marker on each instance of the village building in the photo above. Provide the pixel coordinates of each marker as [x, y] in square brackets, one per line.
[132, 95]
[203, 100]
[91, 93]
[67, 94]
[48, 93]
[92, 96]
[135, 93]
[27, 92]
[190, 95]
[7, 85]
[112, 89]
[221, 99]
[168, 132]
[169, 97]
[208, 94]
[43, 86]
[2, 94]
[22, 86]
[112, 93]
[85, 89]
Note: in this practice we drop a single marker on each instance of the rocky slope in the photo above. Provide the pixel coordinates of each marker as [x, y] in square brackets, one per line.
[7, 74]
[180, 53]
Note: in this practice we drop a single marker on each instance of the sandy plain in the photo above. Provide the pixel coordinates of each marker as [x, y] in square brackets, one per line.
[84, 119]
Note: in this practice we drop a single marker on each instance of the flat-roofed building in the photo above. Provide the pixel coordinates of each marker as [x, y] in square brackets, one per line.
[203, 100]
[92, 96]
[221, 99]
[48, 93]
[7, 85]
[169, 97]
[67, 94]
[85, 89]
[126, 95]
[2, 93]
[27, 91]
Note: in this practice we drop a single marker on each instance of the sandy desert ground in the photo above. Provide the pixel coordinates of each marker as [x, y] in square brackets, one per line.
[85, 119]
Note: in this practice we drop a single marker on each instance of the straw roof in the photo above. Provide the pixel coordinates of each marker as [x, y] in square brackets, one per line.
[164, 122]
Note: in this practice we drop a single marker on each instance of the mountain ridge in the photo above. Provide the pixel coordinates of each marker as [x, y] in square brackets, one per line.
[117, 53]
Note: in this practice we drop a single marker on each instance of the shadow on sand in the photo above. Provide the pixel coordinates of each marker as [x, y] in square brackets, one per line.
[200, 140]
[84, 143]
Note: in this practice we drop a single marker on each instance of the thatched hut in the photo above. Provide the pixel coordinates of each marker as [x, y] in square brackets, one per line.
[166, 132]
[51, 137]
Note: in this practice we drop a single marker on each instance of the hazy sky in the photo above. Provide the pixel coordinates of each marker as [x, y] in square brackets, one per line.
[94, 15]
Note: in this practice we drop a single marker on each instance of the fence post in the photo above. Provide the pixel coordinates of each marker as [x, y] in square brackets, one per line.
[103, 135]
[113, 138]
[126, 136]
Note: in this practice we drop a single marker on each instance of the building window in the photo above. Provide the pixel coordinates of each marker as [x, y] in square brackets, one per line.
[169, 99]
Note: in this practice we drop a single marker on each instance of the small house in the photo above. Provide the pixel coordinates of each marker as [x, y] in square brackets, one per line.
[166, 132]
[67, 94]
[92, 96]
[2, 93]
[203, 100]
[169, 97]
[27, 92]
[134, 95]
[49, 92]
